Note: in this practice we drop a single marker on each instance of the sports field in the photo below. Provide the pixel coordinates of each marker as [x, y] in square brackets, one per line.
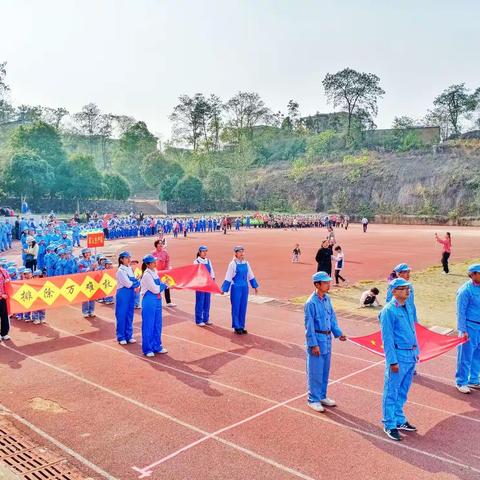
[221, 406]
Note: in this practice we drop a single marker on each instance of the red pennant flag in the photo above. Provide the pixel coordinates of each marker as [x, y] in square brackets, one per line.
[191, 277]
[431, 344]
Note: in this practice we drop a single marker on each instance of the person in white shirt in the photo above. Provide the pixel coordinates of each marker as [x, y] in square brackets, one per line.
[369, 298]
[202, 299]
[365, 224]
[150, 291]
[339, 259]
[125, 299]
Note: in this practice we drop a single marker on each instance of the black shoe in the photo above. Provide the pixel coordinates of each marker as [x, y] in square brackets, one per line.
[244, 331]
[238, 331]
[407, 427]
[393, 434]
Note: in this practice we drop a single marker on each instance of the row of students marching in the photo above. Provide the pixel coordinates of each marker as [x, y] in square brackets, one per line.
[237, 279]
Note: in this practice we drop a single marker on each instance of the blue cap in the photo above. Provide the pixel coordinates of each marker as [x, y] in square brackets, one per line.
[202, 248]
[402, 267]
[85, 250]
[321, 277]
[27, 270]
[21, 270]
[475, 268]
[399, 282]
[11, 270]
[123, 254]
[36, 273]
[149, 259]
[108, 262]
[238, 248]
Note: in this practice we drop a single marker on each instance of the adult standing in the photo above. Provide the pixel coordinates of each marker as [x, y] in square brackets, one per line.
[5, 321]
[202, 299]
[324, 258]
[320, 324]
[239, 274]
[365, 224]
[125, 299]
[151, 289]
[163, 263]
[87, 264]
[31, 253]
[446, 250]
[468, 325]
[401, 355]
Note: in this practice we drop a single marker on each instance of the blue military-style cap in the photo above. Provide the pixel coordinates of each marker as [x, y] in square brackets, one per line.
[149, 258]
[124, 254]
[202, 248]
[21, 270]
[399, 282]
[321, 277]
[238, 248]
[11, 270]
[85, 250]
[108, 262]
[475, 268]
[402, 267]
[27, 270]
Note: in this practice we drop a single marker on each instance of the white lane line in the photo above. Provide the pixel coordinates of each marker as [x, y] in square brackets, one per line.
[162, 414]
[61, 446]
[147, 470]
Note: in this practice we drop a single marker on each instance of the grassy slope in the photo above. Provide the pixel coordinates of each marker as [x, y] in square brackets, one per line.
[434, 295]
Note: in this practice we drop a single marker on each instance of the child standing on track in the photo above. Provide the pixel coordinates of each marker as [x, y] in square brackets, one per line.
[202, 299]
[296, 253]
[339, 262]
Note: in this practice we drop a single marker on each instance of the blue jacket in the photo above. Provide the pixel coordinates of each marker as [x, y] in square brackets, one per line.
[319, 315]
[399, 338]
[410, 300]
[468, 306]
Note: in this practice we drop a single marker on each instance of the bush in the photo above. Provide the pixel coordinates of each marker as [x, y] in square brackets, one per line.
[189, 189]
[323, 144]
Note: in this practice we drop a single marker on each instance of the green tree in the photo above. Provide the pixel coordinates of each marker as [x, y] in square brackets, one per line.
[189, 189]
[403, 122]
[457, 101]
[115, 187]
[218, 187]
[28, 175]
[172, 176]
[355, 92]
[7, 112]
[153, 169]
[323, 144]
[87, 181]
[240, 162]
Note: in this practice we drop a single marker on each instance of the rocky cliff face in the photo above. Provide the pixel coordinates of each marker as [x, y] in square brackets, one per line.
[446, 182]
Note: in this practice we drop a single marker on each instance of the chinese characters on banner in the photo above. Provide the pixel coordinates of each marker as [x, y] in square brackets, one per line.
[95, 239]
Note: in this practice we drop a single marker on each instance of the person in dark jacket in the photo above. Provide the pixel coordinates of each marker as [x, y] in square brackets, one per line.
[324, 258]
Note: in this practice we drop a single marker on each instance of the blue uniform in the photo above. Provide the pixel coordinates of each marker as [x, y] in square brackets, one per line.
[401, 347]
[125, 302]
[152, 314]
[84, 265]
[468, 320]
[76, 235]
[203, 299]
[320, 324]
[410, 300]
[238, 275]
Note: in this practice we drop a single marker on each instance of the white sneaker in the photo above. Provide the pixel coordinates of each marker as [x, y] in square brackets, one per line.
[463, 389]
[328, 402]
[163, 350]
[150, 354]
[122, 342]
[208, 323]
[317, 406]
[6, 337]
[171, 305]
[132, 340]
[474, 386]
[201, 324]
[37, 322]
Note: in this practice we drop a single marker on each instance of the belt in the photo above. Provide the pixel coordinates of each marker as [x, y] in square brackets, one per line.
[472, 321]
[324, 332]
[412, 348]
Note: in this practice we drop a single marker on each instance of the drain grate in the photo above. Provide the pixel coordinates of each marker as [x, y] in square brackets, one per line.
[29, 461]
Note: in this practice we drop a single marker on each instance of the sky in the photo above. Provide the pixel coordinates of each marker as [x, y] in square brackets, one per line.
[135, 57]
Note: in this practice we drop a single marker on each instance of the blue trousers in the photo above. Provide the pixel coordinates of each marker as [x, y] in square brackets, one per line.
[137, 299]
[76, 240]
[151, 323]
[202, 307]
[88, 308]
[395, 392]
[124, 303]
[468, 359]
[318, 371]
[239, 301]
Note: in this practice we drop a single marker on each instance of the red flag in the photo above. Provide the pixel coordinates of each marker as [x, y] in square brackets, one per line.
[431, 344]
[191, 277]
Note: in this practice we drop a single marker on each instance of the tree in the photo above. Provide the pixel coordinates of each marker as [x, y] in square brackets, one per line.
[439, 117]
[353, 91]
[172, 176]
[54, 116]
[28, 175]
[403, 122]
[115, 187]
[153, 169]
[189, 189]
[323, 144]
[292, 119]
[218, 187]
[7, 112]
[122, 123]
[29, 113]
[246, 110]
[87, 181]
[456, 101]
[215, 105]
[105, 129]
[240, 163]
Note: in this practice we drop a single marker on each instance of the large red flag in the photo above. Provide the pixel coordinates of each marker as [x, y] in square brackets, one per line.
[430, 344]
[191, 277]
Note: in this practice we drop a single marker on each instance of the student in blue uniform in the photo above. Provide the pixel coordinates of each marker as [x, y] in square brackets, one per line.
[151, 288]
[125, 299]
[400, 345]
[403, 271]
[87, 264]
[468, 325]
[320, 324]
[202, 299]
[239, 273]
[76, 234]
[38, 316]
